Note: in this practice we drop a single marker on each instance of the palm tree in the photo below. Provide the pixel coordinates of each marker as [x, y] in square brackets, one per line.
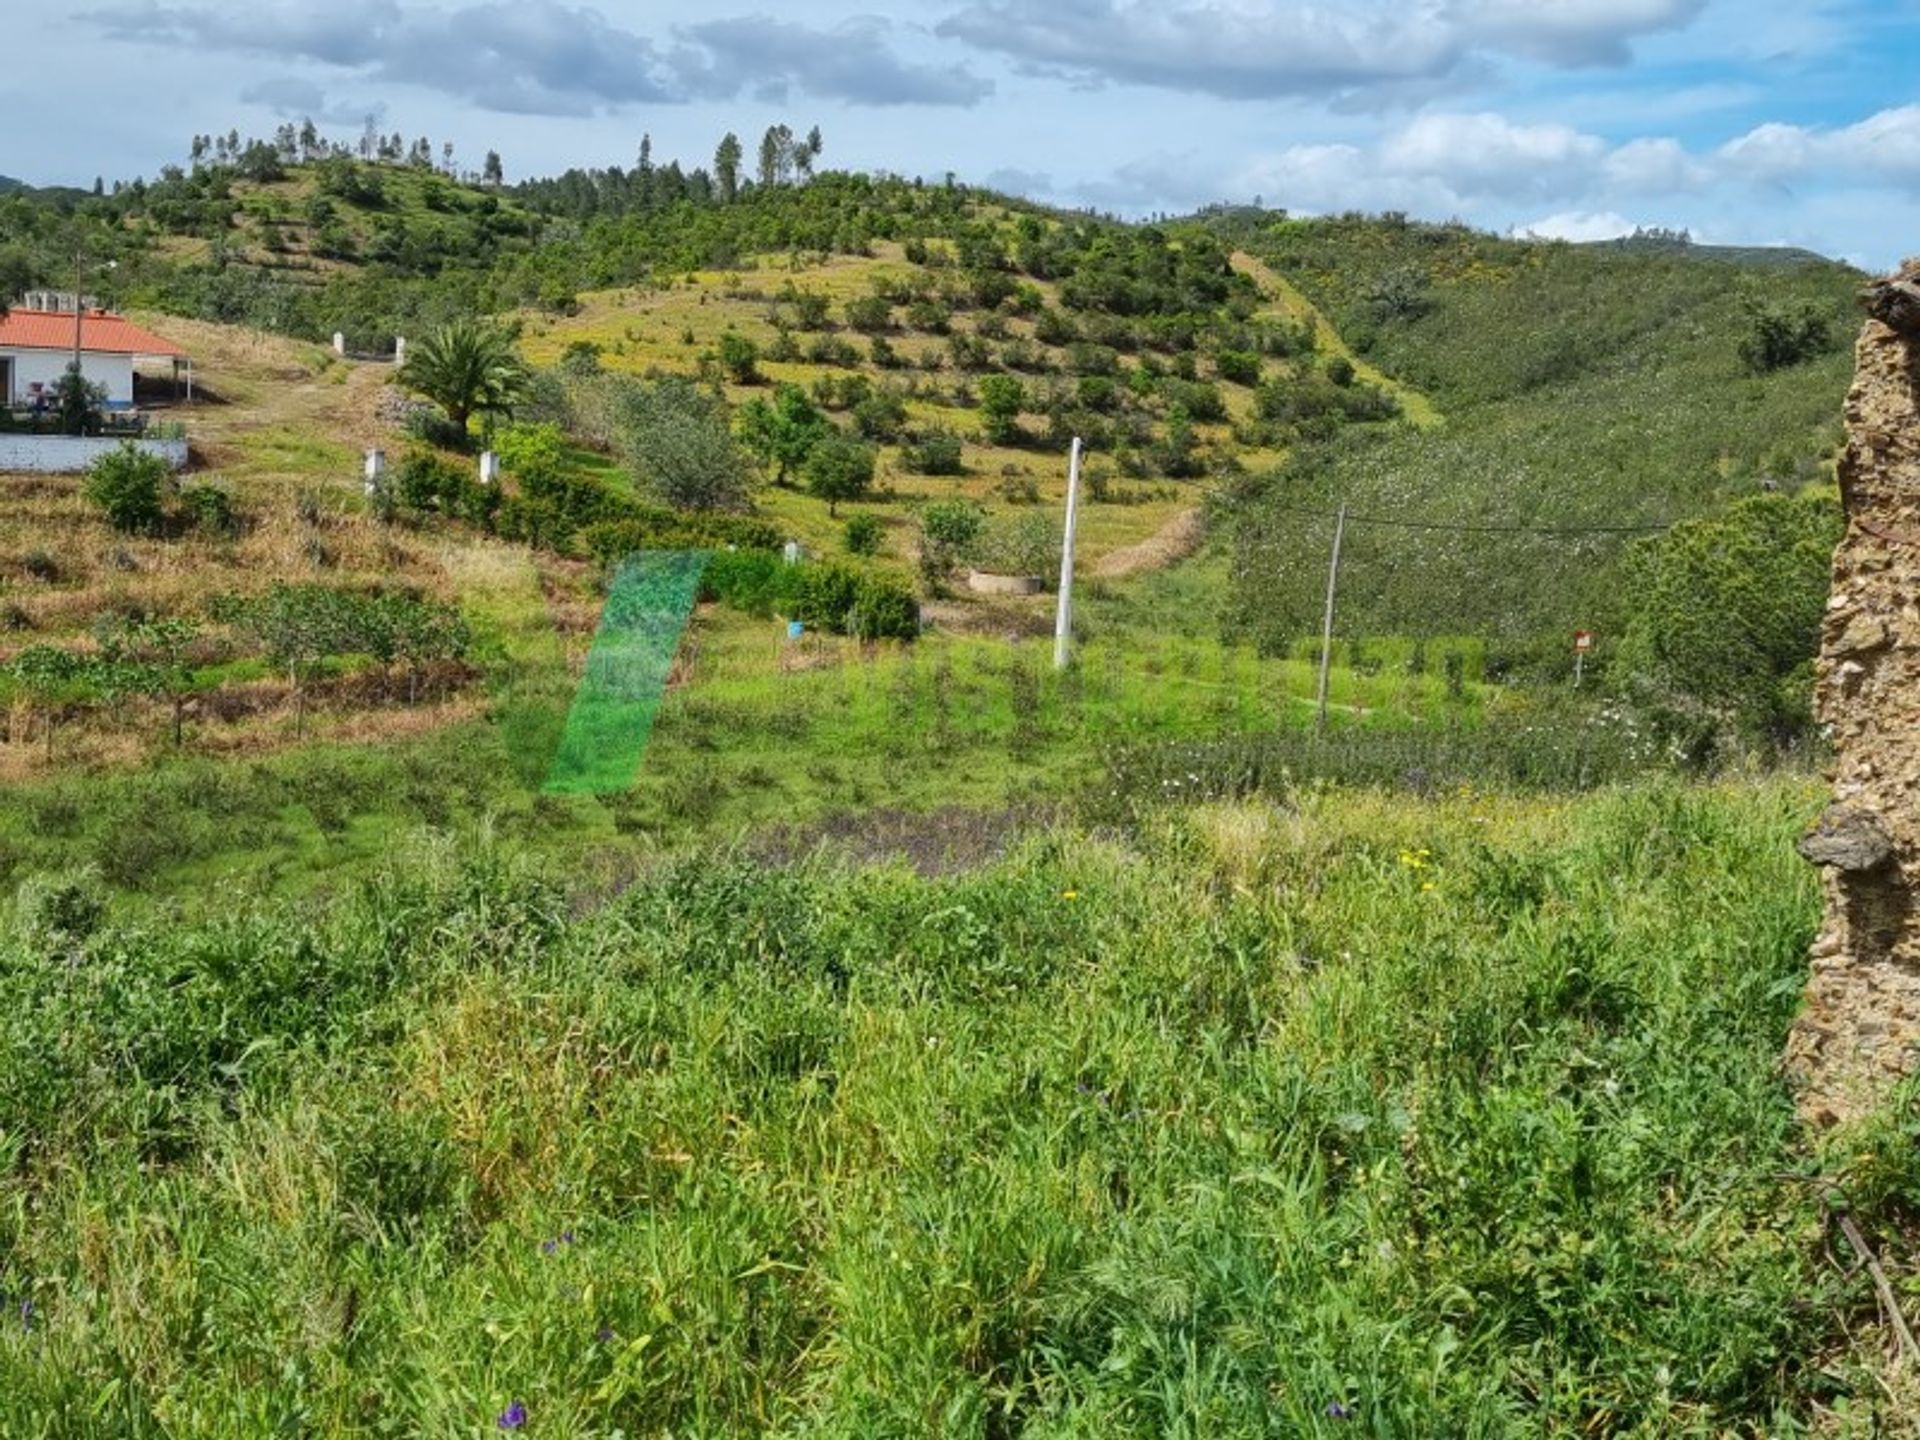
[466, 367]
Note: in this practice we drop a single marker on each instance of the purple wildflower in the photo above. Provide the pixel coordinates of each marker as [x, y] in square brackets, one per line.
[566, 1237]
[513, 1417]
[26, 1314]
[547, 1247]
[604, 1335]
[1338, 1411]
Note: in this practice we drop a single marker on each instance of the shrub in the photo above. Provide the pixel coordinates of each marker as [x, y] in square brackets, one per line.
[1726, 619]
[209, 508]
[531, 450]
[1026, 544]
[948, 530]
[1241, 367]
[881, 415]
[748, 580]
[1002, 398]
[884, 608]
[1784, 334]
[128, 486]
[935, 452]
[869, 314]
[823, 594]
[430, 484]
[863, 535]
[740, 357]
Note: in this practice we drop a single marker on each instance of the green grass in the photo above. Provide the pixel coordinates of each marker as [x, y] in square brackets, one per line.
[1463, 1116]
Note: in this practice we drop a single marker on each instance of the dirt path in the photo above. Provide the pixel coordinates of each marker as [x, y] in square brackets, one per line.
[1172, 542]
[1283, 299]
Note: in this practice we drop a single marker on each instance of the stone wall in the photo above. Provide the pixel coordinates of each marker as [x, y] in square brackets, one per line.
[1861, 1025]
[71, 454]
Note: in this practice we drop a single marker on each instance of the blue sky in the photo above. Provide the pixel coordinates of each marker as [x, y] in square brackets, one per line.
[1746, 121]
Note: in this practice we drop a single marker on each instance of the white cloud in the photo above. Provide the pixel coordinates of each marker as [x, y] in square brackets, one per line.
[1884, 146]
[1360, 52]
[543, 57]
[1571, 32]
[1579, 225]
[1654, 166]
[1487, 154]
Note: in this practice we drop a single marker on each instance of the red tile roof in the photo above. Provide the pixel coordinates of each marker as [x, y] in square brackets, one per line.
[100, 334]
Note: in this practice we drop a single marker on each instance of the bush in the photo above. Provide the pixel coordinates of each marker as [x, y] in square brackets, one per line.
[1726, 618]
[948, 530]
[751, 581]
[869, 314]
[128, 486]
[935, 452]
[430, 484]
[884, 608]
[740, 357]
[611, 541]
[209, 508]
[1026, 544]
[675, 441]
[1242, 367]
[1784, 334]
[863, 535]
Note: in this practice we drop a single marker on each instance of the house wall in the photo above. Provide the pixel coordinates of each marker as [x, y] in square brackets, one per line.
[71, 454]
[47, 366]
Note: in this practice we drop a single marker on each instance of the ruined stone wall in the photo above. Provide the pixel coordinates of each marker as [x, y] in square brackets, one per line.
[1860, 1030]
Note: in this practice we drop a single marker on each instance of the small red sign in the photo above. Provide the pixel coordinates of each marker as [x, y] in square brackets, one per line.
[1583, 641]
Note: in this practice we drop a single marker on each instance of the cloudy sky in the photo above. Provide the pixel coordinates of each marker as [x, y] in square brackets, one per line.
[1749, 121]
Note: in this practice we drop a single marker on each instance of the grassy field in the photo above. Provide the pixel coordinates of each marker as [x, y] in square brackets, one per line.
[1339, 1116]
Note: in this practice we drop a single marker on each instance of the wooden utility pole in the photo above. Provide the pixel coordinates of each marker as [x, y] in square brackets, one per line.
[1063, 618]
[1326, 628]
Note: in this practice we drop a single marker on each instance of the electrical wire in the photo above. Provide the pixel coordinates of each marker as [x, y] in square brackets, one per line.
[1353, 519]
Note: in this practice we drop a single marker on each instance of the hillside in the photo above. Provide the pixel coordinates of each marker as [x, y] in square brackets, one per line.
[1585, 389]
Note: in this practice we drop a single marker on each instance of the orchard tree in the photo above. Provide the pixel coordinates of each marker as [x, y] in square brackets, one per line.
[784, 430]
[673, 438]
[1002, 398]
[740, 357]
[153, 656]
[492, 173]
[52, 679]
[838, 468]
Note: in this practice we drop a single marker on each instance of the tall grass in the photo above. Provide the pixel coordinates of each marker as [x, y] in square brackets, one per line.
[1453, 1117]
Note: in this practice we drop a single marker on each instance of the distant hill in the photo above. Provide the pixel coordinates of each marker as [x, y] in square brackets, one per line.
[1757, 256]
[1588, 389]
[8, 185]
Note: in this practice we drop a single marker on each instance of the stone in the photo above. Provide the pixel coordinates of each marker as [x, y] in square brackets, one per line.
[1847, 838]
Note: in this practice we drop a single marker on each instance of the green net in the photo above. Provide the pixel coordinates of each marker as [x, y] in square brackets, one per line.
[647, 610]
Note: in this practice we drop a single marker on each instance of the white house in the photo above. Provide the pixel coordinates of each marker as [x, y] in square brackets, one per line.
[37, 346]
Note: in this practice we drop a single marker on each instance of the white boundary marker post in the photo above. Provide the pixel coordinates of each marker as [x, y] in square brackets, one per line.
[1063, 619]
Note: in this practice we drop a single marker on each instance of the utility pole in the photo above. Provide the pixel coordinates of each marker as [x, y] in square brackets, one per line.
[1326, 628]
[1063, 620]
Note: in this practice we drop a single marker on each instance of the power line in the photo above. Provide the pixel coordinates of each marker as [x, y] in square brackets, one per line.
[1353, 519]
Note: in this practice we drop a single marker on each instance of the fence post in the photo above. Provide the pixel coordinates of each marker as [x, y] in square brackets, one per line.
[1326, 629]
